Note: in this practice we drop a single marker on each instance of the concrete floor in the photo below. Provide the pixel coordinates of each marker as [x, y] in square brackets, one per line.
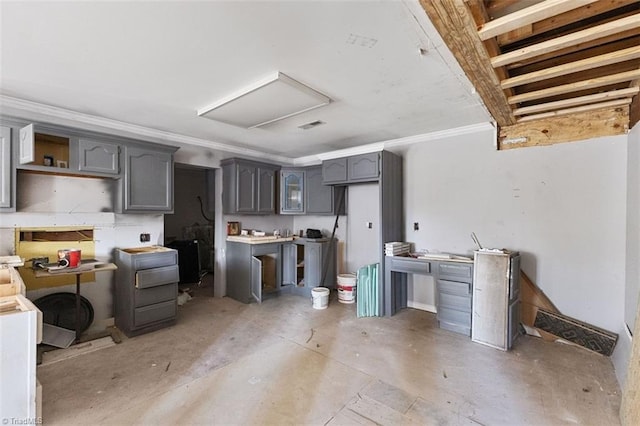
[283, 362]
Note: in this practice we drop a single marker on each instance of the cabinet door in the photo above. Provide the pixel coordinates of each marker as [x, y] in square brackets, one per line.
[148, 180]
[266, 190]
[246, 190]
[289, 262]
[334, 171]
[312, 264]
[97, 156]
[5, 167]
[319, 196]
[27, 145]
[292, 190]
[256, 279]
[364, 167]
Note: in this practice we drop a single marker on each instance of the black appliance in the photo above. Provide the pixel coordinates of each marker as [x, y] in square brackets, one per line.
[188, 260]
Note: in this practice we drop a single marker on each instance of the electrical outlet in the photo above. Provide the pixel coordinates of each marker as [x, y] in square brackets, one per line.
[369, 225]
[145, 238]
[416, 226]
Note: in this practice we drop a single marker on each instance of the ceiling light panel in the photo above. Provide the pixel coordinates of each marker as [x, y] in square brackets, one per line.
[271, 99]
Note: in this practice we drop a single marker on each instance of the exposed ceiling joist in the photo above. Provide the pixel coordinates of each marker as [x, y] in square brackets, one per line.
[529, 15]
[584, 108]
[581, 100]
[589, 34]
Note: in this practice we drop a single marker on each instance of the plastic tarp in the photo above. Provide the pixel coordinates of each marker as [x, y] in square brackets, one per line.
[368, 291]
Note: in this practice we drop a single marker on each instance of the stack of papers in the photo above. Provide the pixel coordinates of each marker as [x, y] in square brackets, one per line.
[396, 248]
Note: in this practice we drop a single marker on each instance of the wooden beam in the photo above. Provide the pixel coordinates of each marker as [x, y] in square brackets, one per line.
[454, 22]
[574, 87]
[572, 67]
[569, 128]
[581, 100]
[529, 15]
[634, 108]
[564, 19]
[584, 108]
[593, 33]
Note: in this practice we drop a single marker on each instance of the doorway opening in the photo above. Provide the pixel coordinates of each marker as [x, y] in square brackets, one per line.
[190, 229]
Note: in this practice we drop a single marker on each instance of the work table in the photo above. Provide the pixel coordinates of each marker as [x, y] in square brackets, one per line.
[268, 239]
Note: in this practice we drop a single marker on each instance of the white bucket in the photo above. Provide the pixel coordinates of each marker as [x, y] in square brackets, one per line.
[320, 297]
[346, 288]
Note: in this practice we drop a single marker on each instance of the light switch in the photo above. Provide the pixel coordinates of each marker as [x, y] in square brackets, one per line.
[369, 225]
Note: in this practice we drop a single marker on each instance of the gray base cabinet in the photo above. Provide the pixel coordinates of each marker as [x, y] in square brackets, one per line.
[303, 264]
[253, 271]
[496, 293]
[454, 288]
[146, 290]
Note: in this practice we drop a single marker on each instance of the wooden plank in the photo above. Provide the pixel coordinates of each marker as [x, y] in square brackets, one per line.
[567, 111]
[574, 87]
[529, 15]
[634, 108]
[558, 43]
[572, 67]
[570, 128]
[453, 20]
[564, 19]
[581, 100]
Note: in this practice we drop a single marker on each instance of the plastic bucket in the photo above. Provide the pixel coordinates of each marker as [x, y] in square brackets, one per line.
[346, 288]
[320, 297]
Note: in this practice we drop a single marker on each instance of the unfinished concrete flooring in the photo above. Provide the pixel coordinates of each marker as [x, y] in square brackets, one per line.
[282, 362]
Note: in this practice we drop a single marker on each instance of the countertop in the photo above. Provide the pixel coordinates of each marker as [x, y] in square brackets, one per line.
[251, 239]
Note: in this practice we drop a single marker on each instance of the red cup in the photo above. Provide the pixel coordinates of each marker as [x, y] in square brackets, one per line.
[69, 258]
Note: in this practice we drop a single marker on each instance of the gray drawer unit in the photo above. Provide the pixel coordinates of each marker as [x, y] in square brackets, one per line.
[146, 289]
[459, 271]
[454, 296]
[149, 296]
[410, 265]
[154, 277]
[155, 313]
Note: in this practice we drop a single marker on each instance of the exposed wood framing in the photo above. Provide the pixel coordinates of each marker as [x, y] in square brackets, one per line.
[566, 103]
[615, 27]
[529, 15]
[573, 67]
[453, 19]
[584, 108]
[569, 128]
[563, 19]
[574, 87]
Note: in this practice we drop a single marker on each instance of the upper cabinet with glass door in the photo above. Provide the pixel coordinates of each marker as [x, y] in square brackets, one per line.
[292, 192]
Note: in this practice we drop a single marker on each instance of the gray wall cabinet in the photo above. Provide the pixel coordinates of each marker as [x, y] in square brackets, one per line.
[148, 180]
[6, 172]
[249, 187]
[146, 289]
[496, 295]
[354, 169]
[96, 156]
[323, 199]
[292, 191]
[253, 271]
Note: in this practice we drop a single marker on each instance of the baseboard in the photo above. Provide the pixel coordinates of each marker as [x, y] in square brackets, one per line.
[421, 306]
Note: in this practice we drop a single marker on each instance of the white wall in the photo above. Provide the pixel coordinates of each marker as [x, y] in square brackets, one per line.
[633, 228]
[563, 207]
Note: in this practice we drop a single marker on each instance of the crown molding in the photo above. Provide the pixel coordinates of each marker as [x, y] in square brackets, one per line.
[30, 110]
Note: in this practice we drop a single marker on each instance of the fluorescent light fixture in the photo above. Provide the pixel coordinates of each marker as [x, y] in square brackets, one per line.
[271, 99]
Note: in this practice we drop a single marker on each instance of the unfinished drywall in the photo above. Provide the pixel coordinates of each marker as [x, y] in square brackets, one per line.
[563, 207]
[363, 241]
[49, 201]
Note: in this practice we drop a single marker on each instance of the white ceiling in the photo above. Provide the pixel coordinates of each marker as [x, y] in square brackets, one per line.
[154, 64]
